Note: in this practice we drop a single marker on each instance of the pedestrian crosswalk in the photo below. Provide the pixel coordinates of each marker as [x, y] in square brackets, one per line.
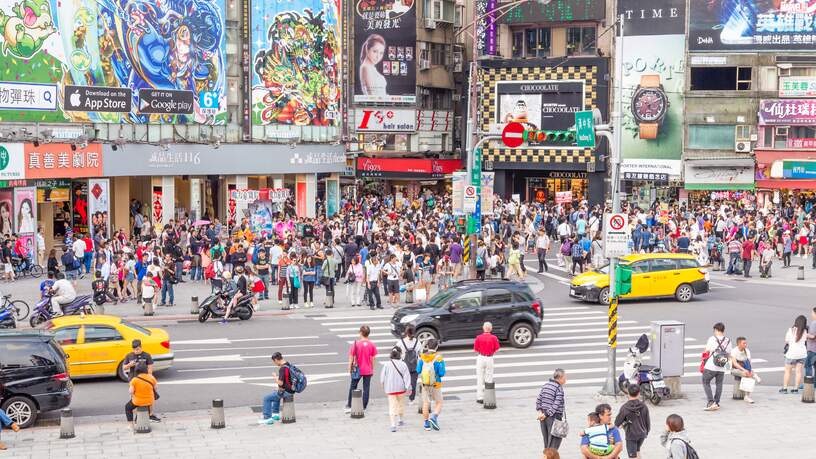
[573, 338]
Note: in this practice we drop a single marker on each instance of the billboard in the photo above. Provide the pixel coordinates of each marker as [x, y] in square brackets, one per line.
[385, 51]
[787, 112]
[539, 104]
[25, 218]
[385, 120]
[296, 62]
[752, 25]
[556, 11]
[113, 61]
[653, 74]
[99, 206]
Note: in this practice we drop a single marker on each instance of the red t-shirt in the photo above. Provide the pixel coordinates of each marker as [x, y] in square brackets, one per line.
[747, 249]
[365, 351]
[486, 344]
[89, 245]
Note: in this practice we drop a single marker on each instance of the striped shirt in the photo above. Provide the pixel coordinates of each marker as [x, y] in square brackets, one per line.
[550, 400]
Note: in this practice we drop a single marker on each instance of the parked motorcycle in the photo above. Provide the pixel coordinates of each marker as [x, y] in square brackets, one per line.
[43, 312]
[648, 377]
[7, 314]
[215, 306]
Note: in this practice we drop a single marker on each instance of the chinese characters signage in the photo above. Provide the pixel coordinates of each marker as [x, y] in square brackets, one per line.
[799, 169]
[752, 25]
[556, 11]
[787, 112]
[12, 165]
[658, 178]
[800, 143]
[798, 86]
[60, 161]
[486, 29]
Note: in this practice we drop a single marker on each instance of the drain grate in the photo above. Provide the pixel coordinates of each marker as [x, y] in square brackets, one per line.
[315, 315]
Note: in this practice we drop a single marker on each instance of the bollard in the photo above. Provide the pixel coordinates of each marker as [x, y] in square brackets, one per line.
[807, 393]
[288, 408]
[357, 404]
[419, 397]
[738, 394]
[67, 423]
[99, 309]
[217, 417]
[801, 274]
[489, 401]
[142, 420]
[194, 305]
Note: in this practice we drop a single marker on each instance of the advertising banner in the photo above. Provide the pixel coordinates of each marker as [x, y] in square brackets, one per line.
[390, 120]
[113, 62]
[406, 168]
[799, 169]
[332, 197]
[488, 181]
[787, 112]
[653, 70]
[385, 51]
[563, 197]
[6, 213]
[25, 218]
[56, 160]
[232, 205]
[300, 199]
[12, 162]
[458, 182]
[797, 86]
[262, 217]
[752, 25]
[486, 28]
[296, 62]
[539, 104]
[158, 207]
[807, 142]
[79, 200]
[99, 205]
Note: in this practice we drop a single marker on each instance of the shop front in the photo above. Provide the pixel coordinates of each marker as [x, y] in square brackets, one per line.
[708, 180]
[549, 186]
[785, 175]
[407, 178]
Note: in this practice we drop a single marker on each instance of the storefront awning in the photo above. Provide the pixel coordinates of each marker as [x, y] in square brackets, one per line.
[787, 184]
[407, 168]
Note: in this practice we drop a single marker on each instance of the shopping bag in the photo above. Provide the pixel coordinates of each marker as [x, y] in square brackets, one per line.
[747, 384]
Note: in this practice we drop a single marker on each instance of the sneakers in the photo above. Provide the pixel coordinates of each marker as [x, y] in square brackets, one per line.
[427, 426]
[434, 422]
[715, 406]
[783, 390]
[347, 410]
[15, 427]
[794, 391]
[154, 418]
[393, 428]
[749, 400]
[267, 421]
[400, 423]
[709, 407]
[480, 402]
[275, 417]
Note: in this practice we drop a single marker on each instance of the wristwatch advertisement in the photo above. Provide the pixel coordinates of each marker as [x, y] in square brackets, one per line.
[649, 106]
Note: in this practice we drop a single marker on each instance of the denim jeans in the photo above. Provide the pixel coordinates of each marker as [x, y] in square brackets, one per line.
[167, 287]
[271, 404]
[87, 259]
[5, 421]
[733, 263]
[810, 365]
[265, 279]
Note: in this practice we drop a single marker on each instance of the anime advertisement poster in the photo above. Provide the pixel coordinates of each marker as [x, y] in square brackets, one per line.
[99, 205]
[113, 61]
[296, 62]
[261, 216]
[25, 217]
[6, 213]
[79, 198]
[385, 51]
[752, 25]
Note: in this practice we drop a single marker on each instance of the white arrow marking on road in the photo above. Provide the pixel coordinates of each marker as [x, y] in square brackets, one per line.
[202, 341]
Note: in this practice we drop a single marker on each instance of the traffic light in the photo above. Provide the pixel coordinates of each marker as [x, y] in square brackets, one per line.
[623, 280]
[567, 136]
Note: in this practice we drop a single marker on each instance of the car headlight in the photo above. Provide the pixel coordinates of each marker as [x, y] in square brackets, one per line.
[409, 318]
[588, 283]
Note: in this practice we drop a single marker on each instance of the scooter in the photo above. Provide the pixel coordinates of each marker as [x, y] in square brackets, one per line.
[215, 306]
[43, 312]
[648, 377]
[7, 320]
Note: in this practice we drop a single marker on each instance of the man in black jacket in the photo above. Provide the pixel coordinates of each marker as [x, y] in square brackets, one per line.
[634, 418]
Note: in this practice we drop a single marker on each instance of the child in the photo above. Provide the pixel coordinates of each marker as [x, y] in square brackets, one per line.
[148, 293]
[431, 369]
[599, 443]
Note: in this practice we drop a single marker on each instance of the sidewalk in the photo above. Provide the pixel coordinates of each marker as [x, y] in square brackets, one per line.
[28, 290]
[779, 275]
[468, 430]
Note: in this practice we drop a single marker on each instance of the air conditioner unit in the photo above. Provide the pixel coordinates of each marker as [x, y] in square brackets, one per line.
[424, 64]
[742, 146]
[430, 23]
[784, 71]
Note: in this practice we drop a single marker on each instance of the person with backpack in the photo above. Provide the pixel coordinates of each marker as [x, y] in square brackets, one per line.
[485, 346]
[676, 441]
[633, 417]
[431, 369]
[290, 380]
[715, 358]
[396, 381]
[410, 355]
[361, 365]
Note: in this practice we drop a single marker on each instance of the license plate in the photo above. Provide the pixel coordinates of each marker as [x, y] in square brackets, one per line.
[658, 384]
[572, 291]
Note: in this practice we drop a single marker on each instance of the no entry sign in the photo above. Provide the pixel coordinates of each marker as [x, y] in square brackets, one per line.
[513, 135]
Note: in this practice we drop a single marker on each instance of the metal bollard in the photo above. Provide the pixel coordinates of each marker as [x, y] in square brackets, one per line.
[801, 274]
[142, 420]
[194, 305]
[67, 423]
[357, 404]
[489, 401]
[288, 408]
[807, 393]
[419, 398]
[217, 417]
[738, 394]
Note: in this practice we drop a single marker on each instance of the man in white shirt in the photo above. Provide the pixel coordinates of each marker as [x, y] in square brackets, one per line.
[718, 348]
[62, 293]
[392, 269]
[275, 253]
[542, 245]
[372, 276]
[78, 247]
[741, 365]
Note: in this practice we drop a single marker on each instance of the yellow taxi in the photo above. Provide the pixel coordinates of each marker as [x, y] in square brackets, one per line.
[96, 345]
[654, 275]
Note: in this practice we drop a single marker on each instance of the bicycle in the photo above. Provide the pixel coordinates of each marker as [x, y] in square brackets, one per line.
[20, 307]
[28, 268]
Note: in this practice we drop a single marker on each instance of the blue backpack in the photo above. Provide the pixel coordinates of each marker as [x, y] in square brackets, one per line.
[297, 379]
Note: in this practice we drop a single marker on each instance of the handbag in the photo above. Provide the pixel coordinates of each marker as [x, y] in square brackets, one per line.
[560, 428]
[747, 384]
[155, 393]
[355, 369]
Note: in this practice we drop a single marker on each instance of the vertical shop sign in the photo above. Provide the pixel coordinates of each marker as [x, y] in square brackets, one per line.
[488, 178]
[79, 206]
[25, 219]
[300, 199]
[99, 205]
[158, 207]
[246, 89]
[332, 197]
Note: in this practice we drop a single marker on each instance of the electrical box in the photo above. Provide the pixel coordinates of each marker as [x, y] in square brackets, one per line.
[668, 346]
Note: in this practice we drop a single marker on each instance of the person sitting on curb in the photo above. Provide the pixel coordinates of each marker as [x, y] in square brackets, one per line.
[431, 369]
[741, 365]
[271, 403]
[142, 392]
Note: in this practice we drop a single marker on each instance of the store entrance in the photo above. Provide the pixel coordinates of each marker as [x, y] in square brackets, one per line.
[543, 189]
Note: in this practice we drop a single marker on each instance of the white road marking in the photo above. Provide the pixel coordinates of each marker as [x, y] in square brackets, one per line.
[579, 324]
[720, 285]
[587, 330]
[230, 341]
[331, 317]
[374, 327]
[216, 349]
[244, 340]
[241, 358]
[577, 313]
[355, 322]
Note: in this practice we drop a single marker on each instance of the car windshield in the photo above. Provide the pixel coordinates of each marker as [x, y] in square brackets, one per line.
[441, 298]
[133, 326]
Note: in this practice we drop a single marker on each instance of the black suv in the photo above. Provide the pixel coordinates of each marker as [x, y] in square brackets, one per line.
[33, 375]
[459, 312]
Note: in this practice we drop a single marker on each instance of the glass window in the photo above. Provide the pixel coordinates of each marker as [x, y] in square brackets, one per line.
[639, 267]
[687, 264]
[498, 297]
[468, 300]
[711, 136]
[67, 335]
[100, 334]
[580, 40]
[538, 42]
[518, 44]
[138, 328]
[663, 264]
[21, 354]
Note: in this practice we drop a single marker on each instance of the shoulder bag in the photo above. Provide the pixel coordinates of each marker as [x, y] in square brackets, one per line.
[355, 369]
[560, 428]
[155, 393]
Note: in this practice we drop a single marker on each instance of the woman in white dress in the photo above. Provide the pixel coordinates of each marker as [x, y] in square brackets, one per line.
[372, 82]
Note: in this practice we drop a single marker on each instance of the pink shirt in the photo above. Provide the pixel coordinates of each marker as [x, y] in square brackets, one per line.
[364, 352]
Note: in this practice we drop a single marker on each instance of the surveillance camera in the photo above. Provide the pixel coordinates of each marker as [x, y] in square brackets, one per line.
[83, 145]
[36, 143]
